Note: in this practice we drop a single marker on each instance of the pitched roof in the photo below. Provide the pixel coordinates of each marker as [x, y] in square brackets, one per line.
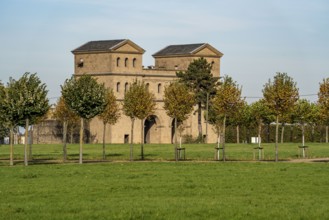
[183, 49]
[105, 46]
[102, 45]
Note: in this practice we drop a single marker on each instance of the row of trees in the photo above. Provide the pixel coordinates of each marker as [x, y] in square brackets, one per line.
[24, 102]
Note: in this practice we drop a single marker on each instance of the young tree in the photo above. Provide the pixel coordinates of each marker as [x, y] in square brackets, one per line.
[178, 103]
[31, 101]
[258, 111]
[110, 115]
[138, 103]
[303, 113]
[4, 131]
[68, 118]
[323, 100]
[9, 109]
[280, 96]
[198, 77]
[85, 97]
[226, 102]
[239, 118]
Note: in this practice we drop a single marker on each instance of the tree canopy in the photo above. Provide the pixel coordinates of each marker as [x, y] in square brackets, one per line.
[199, 79]
[86, 97]
[226, 102]
[178, 103]
[110, 115]
[138, 103]
[280, 95]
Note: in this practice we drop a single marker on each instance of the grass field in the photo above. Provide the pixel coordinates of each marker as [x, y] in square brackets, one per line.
[159, 188]
[159, 152]
[162, 190]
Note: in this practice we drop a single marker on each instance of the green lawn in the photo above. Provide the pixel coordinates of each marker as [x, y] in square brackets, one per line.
[159, 152]
[165, 190]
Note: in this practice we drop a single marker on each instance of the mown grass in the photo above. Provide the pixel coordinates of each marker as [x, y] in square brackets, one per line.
[159, 152]
[166, 190]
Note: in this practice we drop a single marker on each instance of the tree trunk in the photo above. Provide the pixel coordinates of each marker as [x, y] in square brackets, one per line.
[176, 151]
[142, 139]
[25, 145]
[277, 139]
[327, 133]
[132, 138]
[259, 139]
[71, 135]
[259, 133]
[30, 144]
[291, 133]
[81, 140]
[312, 132]
[224, 130]
[64, 141]
[104, 130]
[268, 132]
[282, 132]
[199, 121]
[207, 119]
[238, 134]
[11, 145]
[303, 135]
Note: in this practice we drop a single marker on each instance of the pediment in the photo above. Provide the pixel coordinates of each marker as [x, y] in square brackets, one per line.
[207, 50]
[128, 46]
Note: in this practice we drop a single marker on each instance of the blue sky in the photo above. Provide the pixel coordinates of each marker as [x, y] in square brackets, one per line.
[258, 37]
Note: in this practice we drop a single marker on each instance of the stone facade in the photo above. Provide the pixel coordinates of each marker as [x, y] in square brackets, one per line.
[117, 63]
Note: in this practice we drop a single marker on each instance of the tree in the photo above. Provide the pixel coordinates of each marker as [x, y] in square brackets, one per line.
[4, 131]
[226, 102]
[239, 118]
[110, 115]
[85, 97]
[9, 102]
[257, 112]
[178, 103]
[32, 102]
[138, 103]
[323, 100]
[198, 77]
[303, 112]
[68, 118]
[280, 96]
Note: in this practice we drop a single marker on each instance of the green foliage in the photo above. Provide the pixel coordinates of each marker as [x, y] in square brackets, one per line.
[281, 95]
[111, 113]
[138, 101]
[178, 101]
[323, 100]
[304, 112]
[63, 113]
[84, 96]
[23, 99]
[228, 98]
[199, 79]
[32, 95]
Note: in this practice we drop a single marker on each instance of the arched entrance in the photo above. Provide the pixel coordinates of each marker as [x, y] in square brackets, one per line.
[152, 132]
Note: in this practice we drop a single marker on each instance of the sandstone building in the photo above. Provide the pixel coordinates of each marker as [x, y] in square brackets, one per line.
[117, 63]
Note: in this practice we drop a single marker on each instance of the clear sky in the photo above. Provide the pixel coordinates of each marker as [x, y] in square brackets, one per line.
[258, 37]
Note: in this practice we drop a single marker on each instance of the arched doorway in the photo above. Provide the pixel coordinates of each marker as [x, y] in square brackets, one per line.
[152, 132]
